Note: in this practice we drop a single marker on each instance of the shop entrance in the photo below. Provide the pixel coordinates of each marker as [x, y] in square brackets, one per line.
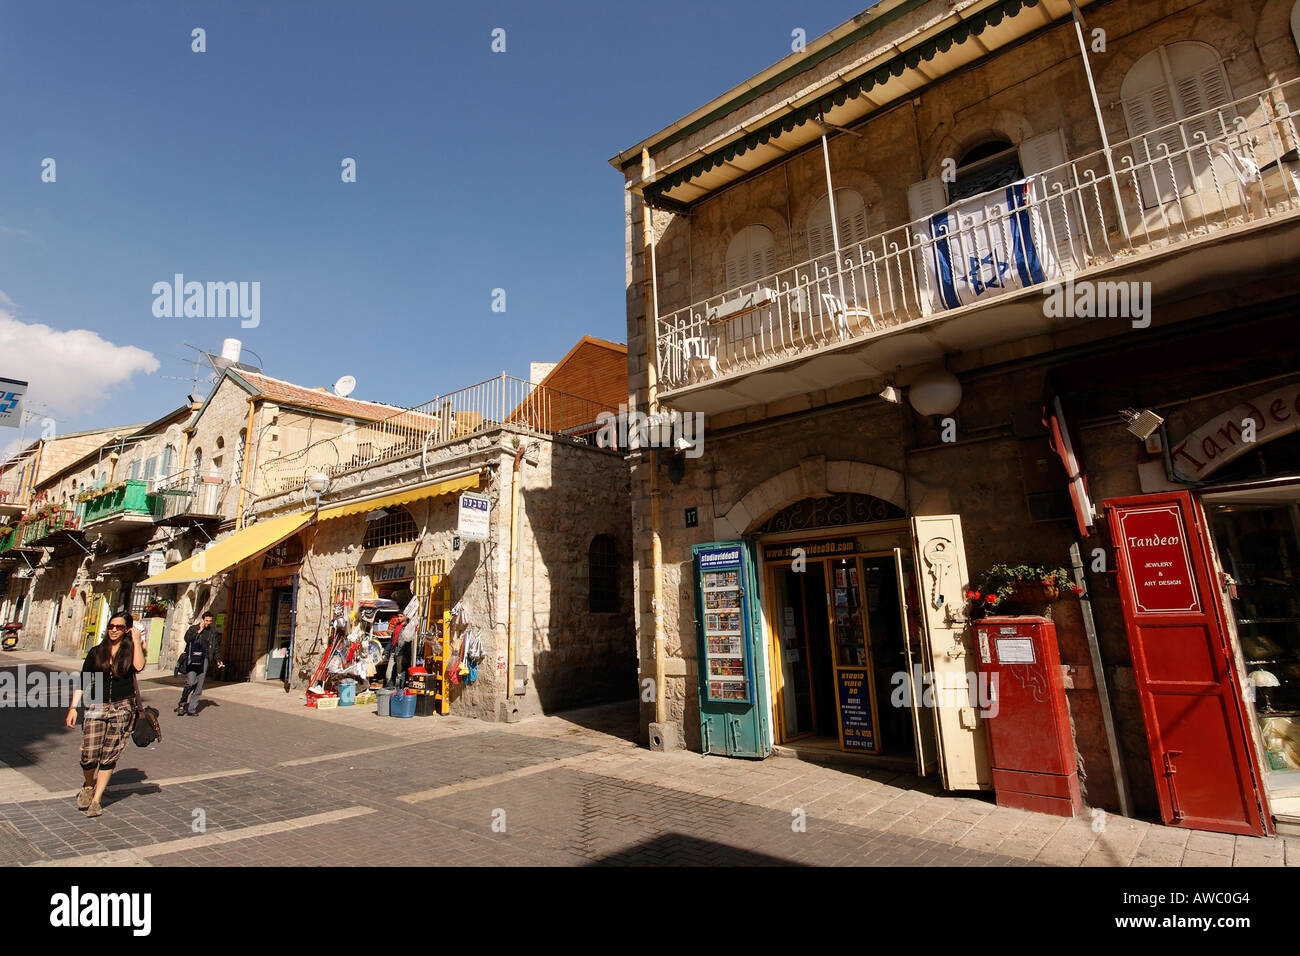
[838, 628]
[1256, 534]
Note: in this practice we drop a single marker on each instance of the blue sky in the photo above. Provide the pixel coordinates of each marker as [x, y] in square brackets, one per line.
[475, 171]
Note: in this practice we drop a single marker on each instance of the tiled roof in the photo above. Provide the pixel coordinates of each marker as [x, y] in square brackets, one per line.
[322, 399]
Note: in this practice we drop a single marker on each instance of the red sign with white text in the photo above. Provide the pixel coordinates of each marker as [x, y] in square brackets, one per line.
[1154, 551]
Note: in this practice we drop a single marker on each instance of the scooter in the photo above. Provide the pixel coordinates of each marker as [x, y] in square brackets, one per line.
[10, 640]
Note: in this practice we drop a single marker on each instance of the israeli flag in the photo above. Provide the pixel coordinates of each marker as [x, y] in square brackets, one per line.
[11, 401]
[988, 244]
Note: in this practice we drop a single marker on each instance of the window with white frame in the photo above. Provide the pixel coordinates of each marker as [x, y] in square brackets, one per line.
[1173, 99]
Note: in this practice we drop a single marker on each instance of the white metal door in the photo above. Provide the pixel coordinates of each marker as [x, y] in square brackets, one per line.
[948, 655]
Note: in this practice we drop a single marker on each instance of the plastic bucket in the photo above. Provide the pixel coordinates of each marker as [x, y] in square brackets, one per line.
[347, 693]
[401, 705]
[385, 696]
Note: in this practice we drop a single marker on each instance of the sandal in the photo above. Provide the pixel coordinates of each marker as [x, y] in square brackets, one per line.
[94, 810]
[83, 797]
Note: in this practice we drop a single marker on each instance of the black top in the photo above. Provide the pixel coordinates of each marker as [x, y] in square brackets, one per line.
[115, 688]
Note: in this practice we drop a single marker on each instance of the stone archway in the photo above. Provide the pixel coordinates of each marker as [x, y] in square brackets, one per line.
[815, 477]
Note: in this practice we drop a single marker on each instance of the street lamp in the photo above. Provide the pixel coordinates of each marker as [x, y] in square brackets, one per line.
[317, 484]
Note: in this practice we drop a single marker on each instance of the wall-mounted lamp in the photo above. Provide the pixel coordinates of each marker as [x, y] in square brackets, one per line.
[892, 394]
[377, 514]
[935, 393]
[1141, 423]
[318, 484]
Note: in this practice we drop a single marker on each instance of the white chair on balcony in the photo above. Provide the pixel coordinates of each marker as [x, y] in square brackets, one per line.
[698, 354]
[843, 313]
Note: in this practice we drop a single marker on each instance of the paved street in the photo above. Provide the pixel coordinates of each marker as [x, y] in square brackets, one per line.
[258, 779]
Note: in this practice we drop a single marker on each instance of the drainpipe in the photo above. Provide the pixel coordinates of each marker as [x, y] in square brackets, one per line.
[514, 584]
[652, 402]
[1101, 123]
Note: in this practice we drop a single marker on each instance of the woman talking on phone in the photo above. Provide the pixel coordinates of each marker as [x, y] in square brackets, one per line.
[116, 659]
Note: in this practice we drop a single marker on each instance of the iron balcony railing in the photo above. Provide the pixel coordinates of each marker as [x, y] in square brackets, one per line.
[36, 528]
[188, 494]
[130, 499]
[504, 400]
[1184, 180]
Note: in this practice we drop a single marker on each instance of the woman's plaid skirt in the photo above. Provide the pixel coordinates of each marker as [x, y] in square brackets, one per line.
[104, 735]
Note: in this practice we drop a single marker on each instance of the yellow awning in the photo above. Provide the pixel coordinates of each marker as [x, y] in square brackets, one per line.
[228, 552]
[431, 490]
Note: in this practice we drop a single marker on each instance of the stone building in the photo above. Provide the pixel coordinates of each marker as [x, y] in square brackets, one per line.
[970, 283]
[548, 589]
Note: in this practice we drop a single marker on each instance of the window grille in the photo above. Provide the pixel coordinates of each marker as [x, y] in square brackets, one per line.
[396, 527]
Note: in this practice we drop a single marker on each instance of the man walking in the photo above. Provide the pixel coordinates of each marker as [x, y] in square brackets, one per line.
[202, 647]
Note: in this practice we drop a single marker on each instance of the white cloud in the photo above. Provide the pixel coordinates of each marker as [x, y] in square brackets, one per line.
[69, 372]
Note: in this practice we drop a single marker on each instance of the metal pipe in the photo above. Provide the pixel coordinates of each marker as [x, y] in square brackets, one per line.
[652, 402]
[1099, 676]
[835, 221]
[1101, 124]
[514, 547]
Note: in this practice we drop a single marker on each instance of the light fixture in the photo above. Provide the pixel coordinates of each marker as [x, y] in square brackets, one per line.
[317, 485]
[934, 393]
[1141, 423]
[682, 443]
[377, 514]
[892, 394]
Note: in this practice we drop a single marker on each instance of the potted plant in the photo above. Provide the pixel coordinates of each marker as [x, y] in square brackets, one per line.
[1017, 587]
[156, 608]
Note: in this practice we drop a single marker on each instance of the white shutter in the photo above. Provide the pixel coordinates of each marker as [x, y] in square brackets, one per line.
[751, 255]
[1063, 216]
[851, 218]
[926, 198]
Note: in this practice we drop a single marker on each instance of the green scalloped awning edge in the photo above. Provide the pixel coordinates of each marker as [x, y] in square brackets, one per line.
[910, 59]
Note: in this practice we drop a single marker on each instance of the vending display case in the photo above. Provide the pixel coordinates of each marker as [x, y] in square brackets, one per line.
[732, 686]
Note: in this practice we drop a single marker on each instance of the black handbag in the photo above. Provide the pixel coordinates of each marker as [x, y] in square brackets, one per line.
[144, 728]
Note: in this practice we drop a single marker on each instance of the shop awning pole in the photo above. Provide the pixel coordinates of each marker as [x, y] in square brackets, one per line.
[835, 220]
[1099, 677]
[1101, 123]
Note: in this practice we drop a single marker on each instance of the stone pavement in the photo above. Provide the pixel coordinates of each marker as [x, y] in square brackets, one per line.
[259, 779]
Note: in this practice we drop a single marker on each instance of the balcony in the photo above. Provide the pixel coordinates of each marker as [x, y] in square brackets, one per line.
[187, 500]
[504, 401]
[12, 504]
[1189, 207]
[125, 506]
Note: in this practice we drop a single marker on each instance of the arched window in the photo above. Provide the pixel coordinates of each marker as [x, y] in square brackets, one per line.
[218, 454]
[168, 459]
[1167, 86]
[396, 527]
[990, 165]
[751, 255]
[287, 552]
[851, 216]
[602, 573]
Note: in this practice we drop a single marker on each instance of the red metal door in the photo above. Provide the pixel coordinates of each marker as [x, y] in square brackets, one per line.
[1191, 701]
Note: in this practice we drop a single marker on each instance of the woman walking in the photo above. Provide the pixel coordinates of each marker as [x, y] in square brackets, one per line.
[117, 658]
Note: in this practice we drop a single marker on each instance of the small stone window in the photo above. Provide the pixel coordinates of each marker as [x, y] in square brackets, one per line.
[602, 569]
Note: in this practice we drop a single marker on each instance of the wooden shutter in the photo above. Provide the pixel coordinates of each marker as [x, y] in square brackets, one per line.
[926, 198]
[851, 216]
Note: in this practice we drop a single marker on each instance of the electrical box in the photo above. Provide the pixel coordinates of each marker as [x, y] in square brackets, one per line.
[1028, 722]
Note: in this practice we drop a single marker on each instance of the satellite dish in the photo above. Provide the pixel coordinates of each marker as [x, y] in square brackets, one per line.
[344, 386]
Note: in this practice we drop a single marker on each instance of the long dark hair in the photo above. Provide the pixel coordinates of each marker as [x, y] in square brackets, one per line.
[122, 664]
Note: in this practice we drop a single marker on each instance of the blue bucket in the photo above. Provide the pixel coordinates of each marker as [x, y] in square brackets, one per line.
[401, 705]
[347, 693]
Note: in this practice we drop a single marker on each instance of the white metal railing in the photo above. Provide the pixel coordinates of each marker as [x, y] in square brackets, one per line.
[476, 408]
[188, 493]
[1233, 164]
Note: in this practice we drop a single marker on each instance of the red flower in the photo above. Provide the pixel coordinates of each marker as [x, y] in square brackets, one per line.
[1076, 589]
[992, 599]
